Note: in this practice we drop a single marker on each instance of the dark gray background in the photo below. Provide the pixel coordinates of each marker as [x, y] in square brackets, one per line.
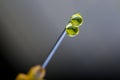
[29, 29]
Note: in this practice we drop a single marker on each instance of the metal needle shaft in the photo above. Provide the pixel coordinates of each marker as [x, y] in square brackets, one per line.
[53, 50]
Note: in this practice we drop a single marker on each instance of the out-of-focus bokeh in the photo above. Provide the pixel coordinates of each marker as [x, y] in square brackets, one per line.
[29, 29]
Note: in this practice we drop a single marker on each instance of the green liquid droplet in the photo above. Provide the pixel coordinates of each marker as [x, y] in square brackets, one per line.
[76, 20]
[71, 30]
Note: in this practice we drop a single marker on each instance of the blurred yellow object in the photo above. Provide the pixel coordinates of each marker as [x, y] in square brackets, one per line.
[35, 73]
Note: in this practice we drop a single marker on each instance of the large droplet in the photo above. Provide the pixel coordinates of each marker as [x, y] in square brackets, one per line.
[76, 20]
[71, 30]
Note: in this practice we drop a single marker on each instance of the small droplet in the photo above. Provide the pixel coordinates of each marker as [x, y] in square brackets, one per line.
[71, 30]
[76, 20]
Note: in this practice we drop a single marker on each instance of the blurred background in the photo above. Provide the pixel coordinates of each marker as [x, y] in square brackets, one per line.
[29, 29]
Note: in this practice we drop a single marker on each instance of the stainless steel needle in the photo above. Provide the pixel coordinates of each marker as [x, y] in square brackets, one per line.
[53, 50]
